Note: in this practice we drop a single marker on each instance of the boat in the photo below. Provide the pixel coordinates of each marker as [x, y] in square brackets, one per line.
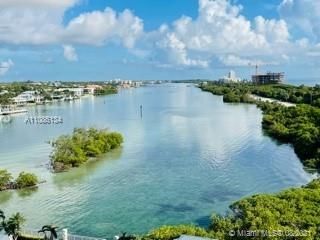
[8, 110]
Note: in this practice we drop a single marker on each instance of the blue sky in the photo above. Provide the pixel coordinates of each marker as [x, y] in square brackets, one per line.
[159, 39]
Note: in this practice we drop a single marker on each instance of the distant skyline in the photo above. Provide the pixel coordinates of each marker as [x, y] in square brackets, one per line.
[74, 40]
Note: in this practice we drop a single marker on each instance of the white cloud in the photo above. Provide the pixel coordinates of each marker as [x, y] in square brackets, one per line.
[5, 66]
[69, 53]
[274, 31]
[232, 60]
[37, 3]
[219, 30]
[303, 14]
[236, 61]
[97, 27]
[177, 51]
[34, 26]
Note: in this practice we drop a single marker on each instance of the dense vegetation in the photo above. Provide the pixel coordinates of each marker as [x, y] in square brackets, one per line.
[75, 149]
[299, 95]
[24, 180]
[106, 90]
[292, 212]
[299, 125]
[236, 92]
[288, 211]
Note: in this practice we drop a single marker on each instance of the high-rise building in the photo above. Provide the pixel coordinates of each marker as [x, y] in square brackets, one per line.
[269, 78]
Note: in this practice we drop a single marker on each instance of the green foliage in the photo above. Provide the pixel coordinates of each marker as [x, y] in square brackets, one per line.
[291, 210]
[12, 226]
[231, 97]
[299, 125]
[5, 179]
[173, 232]
[282, 92]
[74, 150]
[106, 90]
[26, 180]
[5, 99]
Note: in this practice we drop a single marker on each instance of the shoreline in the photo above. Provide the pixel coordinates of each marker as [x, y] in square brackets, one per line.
[12, 187]
[277, 118]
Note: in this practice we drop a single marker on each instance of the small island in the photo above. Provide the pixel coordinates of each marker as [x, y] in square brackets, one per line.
[83, 144]
[24, 180]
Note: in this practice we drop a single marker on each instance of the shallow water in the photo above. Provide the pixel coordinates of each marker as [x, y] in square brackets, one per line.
[189, 155]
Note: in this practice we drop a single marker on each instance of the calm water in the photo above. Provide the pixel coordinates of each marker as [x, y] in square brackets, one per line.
[190, 155]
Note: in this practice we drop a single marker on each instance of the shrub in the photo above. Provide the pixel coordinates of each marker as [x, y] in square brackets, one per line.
[26, 180]
[5, 178]
[74, 150]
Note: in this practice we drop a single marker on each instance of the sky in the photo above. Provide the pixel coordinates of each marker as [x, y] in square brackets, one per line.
[83, 40]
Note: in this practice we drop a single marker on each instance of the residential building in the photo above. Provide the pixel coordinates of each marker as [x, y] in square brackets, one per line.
[90, 89]
[230, 78]
[27, 97]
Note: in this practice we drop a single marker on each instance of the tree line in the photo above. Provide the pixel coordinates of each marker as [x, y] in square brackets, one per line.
[299, 126]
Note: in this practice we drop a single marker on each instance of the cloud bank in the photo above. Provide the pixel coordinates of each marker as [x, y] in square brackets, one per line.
[220, 33]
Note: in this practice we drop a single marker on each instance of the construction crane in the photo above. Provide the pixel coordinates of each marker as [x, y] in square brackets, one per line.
[256, 68]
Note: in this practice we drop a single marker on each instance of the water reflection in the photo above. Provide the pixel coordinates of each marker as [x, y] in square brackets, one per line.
[5, 196]
[189, 156]
[24, 193]
[78, 175]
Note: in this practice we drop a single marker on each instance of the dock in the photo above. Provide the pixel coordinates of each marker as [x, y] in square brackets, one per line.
[9, 111]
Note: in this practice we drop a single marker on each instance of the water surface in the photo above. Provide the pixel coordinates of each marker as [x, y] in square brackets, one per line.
[190, 155]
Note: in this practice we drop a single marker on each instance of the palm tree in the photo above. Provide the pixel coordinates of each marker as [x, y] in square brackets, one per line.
[12, 227]
[51, 229]
[3, 217]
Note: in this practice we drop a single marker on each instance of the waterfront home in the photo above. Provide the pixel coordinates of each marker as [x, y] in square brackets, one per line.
[74, 91]
[77, 91]
[27, 97]
[91, 89]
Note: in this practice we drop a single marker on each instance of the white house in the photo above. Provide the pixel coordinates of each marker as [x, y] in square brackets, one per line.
[27, 97]
[76, 91]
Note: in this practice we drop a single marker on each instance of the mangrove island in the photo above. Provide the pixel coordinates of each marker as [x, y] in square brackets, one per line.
[75, 149]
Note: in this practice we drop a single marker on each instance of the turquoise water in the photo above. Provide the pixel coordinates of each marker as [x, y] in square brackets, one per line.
[190, 155]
